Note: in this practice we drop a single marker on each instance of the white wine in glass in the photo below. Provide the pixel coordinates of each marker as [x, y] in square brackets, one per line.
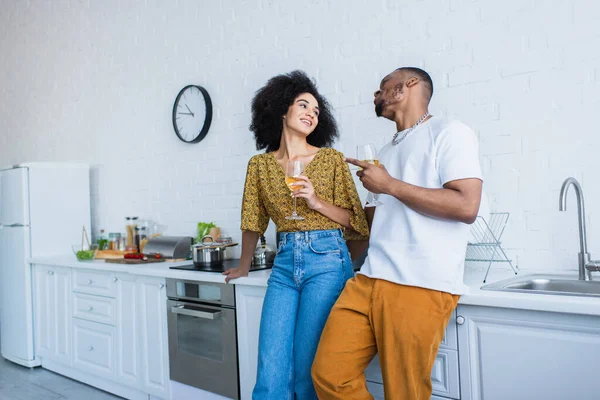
[293, 171]
[367, 153]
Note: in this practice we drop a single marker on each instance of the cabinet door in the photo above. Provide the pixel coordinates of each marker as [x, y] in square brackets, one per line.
[444, 374]
[42, 305]
[153, 336]
[249, 301]
[518, 354]
[94, 348]
[52, 308]
[128, 354]
[61, 282]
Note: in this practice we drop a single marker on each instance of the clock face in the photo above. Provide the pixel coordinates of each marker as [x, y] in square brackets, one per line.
[192, 114]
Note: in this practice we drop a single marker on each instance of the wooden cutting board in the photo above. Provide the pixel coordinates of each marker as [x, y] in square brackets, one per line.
[133, 261]
[110, 254]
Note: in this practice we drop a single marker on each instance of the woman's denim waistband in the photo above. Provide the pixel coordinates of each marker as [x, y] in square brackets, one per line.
[309, 235]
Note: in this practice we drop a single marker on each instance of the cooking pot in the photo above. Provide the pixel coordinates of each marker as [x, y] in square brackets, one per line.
[209, 253]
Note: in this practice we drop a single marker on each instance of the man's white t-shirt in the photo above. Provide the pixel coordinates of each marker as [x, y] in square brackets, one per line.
[410, 248]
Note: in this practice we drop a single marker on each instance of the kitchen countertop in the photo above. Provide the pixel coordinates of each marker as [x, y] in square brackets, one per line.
[161, 269]
[473, 279]
[526, 301]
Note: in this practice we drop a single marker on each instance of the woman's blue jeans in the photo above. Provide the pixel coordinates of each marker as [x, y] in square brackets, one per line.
[309, 273]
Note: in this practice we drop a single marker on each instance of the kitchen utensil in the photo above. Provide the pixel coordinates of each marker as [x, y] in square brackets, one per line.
[215, 233]
[263, 254]
[169, 246]
[112, 254]
[209, 253]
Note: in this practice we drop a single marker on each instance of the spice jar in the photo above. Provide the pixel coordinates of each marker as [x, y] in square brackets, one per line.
[113, 240]
[122, 243]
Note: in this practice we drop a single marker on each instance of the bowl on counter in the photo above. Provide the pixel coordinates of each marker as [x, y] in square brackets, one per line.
[85, 254]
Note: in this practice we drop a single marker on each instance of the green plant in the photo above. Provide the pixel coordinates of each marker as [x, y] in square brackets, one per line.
[203, 229]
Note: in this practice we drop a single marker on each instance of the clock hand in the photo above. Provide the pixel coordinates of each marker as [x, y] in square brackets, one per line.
[186, 106]
[185, 113]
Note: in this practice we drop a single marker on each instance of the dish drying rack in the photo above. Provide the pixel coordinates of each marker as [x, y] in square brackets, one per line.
[484, 244]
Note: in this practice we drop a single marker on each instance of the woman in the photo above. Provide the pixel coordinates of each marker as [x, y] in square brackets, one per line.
[292, 121]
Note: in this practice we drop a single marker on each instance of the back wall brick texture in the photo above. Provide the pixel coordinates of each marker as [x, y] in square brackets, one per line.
[94, 81]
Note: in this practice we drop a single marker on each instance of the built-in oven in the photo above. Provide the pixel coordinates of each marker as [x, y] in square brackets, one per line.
[202, 336]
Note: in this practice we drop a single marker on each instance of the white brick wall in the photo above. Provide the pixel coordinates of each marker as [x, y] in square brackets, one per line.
[95, 81]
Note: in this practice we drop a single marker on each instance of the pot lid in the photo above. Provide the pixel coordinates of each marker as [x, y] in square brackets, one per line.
[207, 242]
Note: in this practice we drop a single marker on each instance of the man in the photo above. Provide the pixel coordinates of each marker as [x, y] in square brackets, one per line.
[400, 302]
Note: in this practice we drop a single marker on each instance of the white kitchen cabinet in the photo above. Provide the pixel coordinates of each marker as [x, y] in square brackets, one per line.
[444, 374]
[52, 313]
[104, 328]
[153, 336]
[522, 355]
[249, 302]
[94, 308]
[94, 348]
[100, 283]
[128, 332]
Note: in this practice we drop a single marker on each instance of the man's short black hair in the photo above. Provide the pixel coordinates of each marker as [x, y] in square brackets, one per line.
[423, 76]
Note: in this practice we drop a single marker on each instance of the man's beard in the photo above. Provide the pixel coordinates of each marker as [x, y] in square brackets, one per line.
[379, 109]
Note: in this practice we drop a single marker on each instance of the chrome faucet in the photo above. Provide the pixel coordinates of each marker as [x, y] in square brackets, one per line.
[584, 256]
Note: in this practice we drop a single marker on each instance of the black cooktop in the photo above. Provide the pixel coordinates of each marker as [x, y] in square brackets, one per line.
[233, 263]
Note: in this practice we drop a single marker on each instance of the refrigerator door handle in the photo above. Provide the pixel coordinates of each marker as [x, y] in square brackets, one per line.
[14, 226]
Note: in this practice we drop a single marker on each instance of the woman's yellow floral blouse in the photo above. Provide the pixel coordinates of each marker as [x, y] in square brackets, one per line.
[267, 196]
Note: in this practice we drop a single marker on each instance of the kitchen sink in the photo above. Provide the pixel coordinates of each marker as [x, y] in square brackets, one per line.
[547, 284]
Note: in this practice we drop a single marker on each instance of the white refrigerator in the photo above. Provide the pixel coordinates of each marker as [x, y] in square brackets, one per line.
[43, 207]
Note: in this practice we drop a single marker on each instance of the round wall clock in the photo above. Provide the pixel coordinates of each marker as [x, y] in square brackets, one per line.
[192, 114]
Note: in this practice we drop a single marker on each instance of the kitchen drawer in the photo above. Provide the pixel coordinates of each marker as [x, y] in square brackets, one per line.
[94, 282]
[444, 374]
[94, 308]
[94, 348]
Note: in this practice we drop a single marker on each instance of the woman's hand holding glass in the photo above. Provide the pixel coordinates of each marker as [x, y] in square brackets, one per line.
[307, 192]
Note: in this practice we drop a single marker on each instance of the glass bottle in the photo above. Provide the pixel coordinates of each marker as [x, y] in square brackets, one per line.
[102, 241]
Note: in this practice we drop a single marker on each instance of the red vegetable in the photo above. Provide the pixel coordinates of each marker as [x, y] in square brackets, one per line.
[134, 256]
[157, 256]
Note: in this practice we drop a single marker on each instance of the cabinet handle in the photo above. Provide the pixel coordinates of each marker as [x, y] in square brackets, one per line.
[115, 279]
[90, 308]
[50, 272]
[460, 320]
[162, 285]
[89, 281]
[90, 348]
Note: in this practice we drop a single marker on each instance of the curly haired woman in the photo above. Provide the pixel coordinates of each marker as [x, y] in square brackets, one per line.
[292, 121]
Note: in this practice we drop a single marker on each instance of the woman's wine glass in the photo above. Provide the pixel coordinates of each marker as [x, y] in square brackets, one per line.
[293, 171]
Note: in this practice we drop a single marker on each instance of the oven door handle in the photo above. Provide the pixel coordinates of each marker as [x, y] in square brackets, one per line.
[192, 312]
